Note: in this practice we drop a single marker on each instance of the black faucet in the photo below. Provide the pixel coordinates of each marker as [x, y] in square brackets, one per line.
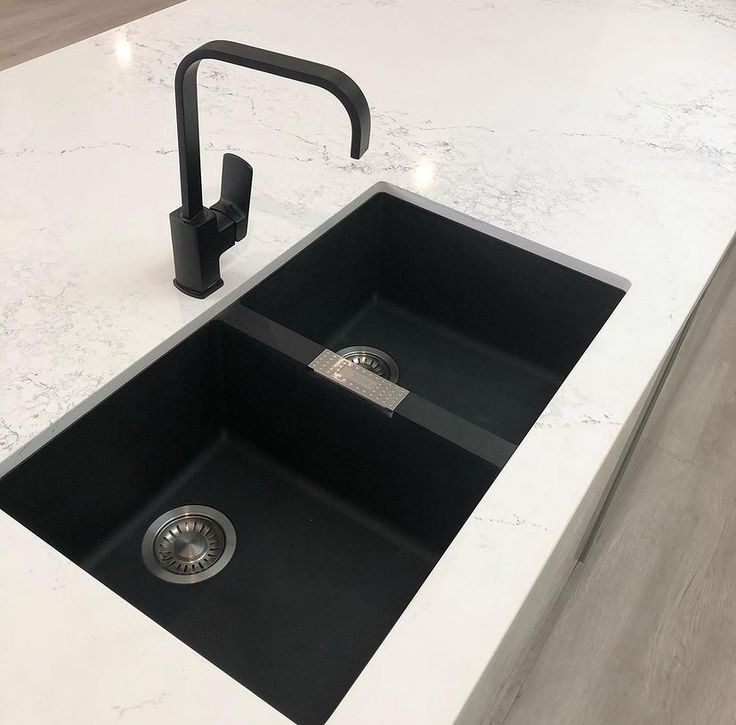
[200, 235]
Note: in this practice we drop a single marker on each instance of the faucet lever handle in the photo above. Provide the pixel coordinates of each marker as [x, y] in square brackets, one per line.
[234, 203]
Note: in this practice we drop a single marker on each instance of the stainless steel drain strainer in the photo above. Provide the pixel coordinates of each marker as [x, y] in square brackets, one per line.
[372, 359]
[188, 544]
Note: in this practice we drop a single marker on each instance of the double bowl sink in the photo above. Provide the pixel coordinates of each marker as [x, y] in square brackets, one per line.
[304, 508]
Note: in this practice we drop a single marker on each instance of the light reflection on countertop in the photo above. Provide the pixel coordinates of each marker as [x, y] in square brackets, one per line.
[123, 50]
[423, 175]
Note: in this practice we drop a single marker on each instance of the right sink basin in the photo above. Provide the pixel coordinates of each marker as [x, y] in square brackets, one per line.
[482, 327]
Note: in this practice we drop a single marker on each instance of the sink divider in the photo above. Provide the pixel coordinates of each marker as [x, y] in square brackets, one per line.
[484, 444]
[415, 408]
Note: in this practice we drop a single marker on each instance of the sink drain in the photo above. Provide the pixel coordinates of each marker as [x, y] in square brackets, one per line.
[188, 544]
[372, 359]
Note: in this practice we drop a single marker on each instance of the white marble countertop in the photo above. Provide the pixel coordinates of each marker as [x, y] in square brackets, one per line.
[605, 129]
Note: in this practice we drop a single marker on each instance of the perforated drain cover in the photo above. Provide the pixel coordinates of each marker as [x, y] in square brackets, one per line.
[372, 359]
[188, 544]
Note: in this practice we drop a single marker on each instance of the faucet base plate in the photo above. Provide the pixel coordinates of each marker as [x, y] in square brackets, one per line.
[197, 293]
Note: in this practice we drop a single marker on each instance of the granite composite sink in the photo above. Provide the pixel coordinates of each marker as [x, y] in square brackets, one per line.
[482, 327]
[341, 506]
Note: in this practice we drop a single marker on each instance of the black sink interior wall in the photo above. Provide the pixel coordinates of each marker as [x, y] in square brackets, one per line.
[481, 327]
[324, 286]
[497, 294]
[93, 477]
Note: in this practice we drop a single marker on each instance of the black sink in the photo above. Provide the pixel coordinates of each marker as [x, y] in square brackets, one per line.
[341, 506]
[483, 328]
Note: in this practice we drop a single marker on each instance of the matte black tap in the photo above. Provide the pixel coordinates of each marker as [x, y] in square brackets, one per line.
[200, 234]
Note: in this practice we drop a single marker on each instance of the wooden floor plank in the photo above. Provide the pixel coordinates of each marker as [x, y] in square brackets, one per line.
[29, 28]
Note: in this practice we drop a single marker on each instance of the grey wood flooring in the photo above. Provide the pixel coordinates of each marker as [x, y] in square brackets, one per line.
[29, 28]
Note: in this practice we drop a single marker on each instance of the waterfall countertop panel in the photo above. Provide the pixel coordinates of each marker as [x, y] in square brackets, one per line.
[605, 130]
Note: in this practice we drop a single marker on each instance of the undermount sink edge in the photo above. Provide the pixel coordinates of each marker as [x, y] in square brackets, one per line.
[241, 326]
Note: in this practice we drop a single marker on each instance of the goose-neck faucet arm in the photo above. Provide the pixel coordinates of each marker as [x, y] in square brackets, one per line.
[200, 235]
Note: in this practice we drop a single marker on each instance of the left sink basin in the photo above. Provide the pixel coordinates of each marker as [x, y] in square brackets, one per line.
[340, 509]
